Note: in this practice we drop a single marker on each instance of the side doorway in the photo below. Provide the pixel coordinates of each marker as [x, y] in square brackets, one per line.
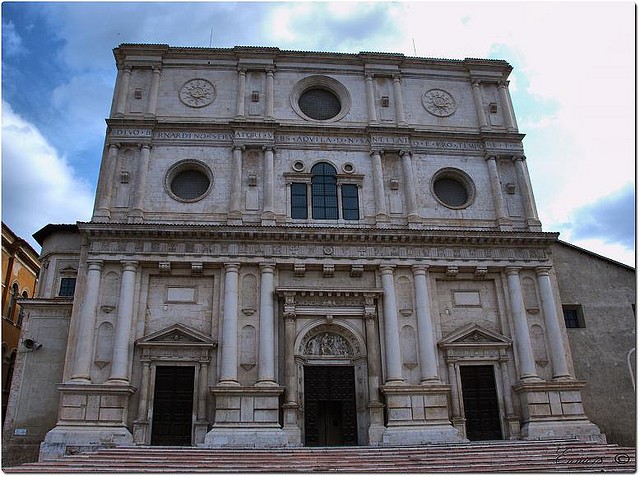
[172, 422]
[480, 399]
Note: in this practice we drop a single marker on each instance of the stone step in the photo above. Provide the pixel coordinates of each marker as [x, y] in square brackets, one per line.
[500, 456]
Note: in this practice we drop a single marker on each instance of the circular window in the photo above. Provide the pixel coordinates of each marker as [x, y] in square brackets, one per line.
[319, 104]
[188, 181]
[453, 188]
[320, 98]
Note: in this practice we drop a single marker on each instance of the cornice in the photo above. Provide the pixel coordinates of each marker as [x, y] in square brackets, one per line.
[328, 235]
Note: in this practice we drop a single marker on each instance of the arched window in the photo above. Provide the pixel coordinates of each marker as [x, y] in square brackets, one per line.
[12, 301]
[324, 191]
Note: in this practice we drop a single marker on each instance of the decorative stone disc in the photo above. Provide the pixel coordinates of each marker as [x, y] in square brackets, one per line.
[197, 93]
[438, 102]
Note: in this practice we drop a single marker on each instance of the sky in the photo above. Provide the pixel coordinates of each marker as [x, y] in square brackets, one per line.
[573, 90]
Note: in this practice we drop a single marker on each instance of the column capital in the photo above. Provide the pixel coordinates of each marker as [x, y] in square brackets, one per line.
[129, 265]
[270, 71]
[521, 157]
[404, 152]
[144, 145]
[503, 83]
[368, 76]
[157, 69]
[378, 152]
[420, 269]
[396, 77]
[242, 71]
[114, 145]
[513, 270]
[476, 83]
[269, 267]
[490, 157]
[95, 264]
[232, 267]
[238, 147]
[269, 148]
[543, 270]
[387, 269]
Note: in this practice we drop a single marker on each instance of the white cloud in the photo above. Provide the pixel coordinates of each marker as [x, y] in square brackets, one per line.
[38, 186]
[12, 44]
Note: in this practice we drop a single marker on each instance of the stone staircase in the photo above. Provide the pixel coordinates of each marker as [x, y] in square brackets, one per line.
[495, 456]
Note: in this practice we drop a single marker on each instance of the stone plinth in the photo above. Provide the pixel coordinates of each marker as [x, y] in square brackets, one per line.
[246, 416]
[418, 415]
[91, 416]
[553, 410]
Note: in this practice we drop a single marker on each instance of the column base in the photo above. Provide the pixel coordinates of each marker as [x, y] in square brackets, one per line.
[63, 440]
[246, 417]
[418, 415]
[553, 410]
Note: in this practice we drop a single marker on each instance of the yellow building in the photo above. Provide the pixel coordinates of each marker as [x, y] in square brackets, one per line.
[20, 268]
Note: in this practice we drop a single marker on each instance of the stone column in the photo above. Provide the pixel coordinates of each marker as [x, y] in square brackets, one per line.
[290, 406]
[496, 191]
[477, 99]
[122, 341]
[391, 334]
[202, 391]
[153, 92]
[87, 323]
[144, 391]
[519, 315]
[236, 183]
[409, 188]
[136, 214]
[507, 107]
[269, 99]
[123, 91]
[229, 349]
[267, 358]
[453, 382]
[375, 406]
[371, 102]
[378, 188]
[397, 96]
[106, 184]
[552, 326]
[242, 76]
[426, 346]
[268, 184]
[522, 176]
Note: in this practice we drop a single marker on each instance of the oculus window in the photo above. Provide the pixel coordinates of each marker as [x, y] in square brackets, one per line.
[319, 104]
[320, 98]
[453, 188]
[188, 181]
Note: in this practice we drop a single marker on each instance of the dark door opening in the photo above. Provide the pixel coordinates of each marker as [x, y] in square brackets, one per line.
[330, 406]
[173, 406]
[480, 403]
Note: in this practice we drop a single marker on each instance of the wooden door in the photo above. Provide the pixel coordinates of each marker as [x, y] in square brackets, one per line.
[173, 406]
[481, 409]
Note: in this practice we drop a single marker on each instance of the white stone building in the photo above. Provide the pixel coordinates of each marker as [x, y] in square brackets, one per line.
[297, 249]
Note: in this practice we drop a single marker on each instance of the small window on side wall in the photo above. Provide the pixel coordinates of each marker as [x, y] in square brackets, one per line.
[67, 286]
[573, 317]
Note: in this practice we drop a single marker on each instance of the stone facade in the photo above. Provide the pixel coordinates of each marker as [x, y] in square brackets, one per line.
[318, 249]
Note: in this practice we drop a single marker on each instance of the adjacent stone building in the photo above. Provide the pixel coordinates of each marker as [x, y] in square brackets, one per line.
[299, 249]
[20, 268]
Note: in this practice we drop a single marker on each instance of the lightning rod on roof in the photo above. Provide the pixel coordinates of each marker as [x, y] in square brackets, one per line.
[414, 47]
[211, 37]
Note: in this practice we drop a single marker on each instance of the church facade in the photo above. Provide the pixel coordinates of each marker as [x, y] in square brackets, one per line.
[301, 249]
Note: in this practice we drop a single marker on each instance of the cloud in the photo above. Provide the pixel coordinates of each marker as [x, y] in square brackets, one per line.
[610, 219]
[38, 186]
[12, 44]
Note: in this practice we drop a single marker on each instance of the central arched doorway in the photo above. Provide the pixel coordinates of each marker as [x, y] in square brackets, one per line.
[332, 371]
